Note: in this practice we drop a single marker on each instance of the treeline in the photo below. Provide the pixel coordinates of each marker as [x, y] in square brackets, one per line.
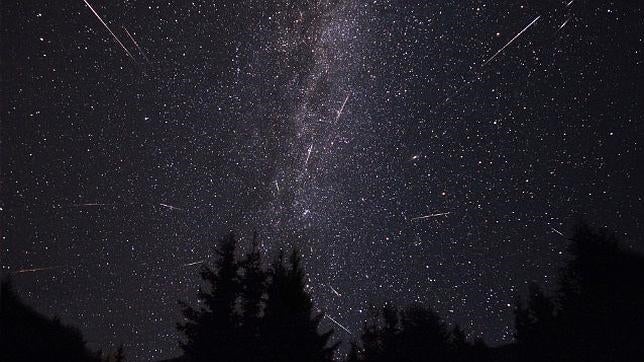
[595, 314]
[26, 335]
[248, 312]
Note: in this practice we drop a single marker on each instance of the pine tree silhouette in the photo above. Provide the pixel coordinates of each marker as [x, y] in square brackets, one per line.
[248, 314]
[290, 326]
[412, 334]
[211, 330]
[597, 313]
[253, 298]
[27, 335]
[536, 326]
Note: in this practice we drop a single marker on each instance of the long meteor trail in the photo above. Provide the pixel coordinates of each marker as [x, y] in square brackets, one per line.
[512, 40]
[342, 108]
[33, 270]
[110, 30]
[338, 324]
[89, 204]
[136, 44]
[430, 216]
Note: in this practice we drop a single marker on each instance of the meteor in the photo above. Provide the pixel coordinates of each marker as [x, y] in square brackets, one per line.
[430, 216]
[137, 45]
[335, 291]
[194, 263]
[342, 108]
[110, 30]
[33, 270]
[512, 40]
[558, 232]
[564, 24]
[91, 204]
[338, 324]
[308, 155]
[171, 207]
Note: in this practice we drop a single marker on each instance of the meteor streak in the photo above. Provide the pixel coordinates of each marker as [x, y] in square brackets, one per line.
[110, 30]
[32, 270]
[564, 24]
[512, 40]
[171, 207]
[335, 291]
[308, 155]
[137, 45]
[338, 324]
[342, 108]
[194, 263]
[558, 232]
[431, 215]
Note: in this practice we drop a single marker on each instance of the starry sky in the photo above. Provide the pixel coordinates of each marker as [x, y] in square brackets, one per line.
[414, 151]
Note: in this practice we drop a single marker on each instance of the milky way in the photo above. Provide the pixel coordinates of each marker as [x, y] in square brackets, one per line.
[413, 152]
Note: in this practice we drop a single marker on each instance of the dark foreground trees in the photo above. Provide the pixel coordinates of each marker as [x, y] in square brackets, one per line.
[414, 333]
[251, 314]
[27, 335]
[596, 314]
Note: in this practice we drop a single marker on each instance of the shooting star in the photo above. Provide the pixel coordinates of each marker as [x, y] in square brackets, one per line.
[110, 30]
[277, 186]
[194, 263]
[430, 216]
[512, 40]
[171, 207]
[33, 270]
[91, 204]
[335, 291]
[558, 232]
[338, 324]
[342, 108]
[564, 24]
[136, 44]
[308, 155]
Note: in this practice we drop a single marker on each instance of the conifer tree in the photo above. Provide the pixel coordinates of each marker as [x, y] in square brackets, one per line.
[253, 289]
[26, 335]
[290, 325]
[211, 330]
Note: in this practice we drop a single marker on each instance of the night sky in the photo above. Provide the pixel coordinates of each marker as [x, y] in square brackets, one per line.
[397, 144]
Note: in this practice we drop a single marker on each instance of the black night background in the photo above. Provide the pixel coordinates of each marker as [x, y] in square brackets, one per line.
[469, 168]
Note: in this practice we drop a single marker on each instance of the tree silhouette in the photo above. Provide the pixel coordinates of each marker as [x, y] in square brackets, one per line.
[27, 335]
[211, 330]
[248, 314]
[290, 327]
[536, 326]
[411, 334]
[597, 313]
[253, 297]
